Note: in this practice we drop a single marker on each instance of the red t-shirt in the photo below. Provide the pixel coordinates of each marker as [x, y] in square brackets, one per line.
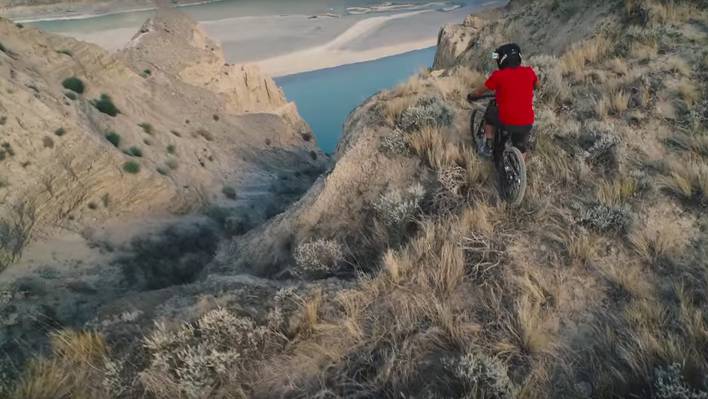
[514, 91]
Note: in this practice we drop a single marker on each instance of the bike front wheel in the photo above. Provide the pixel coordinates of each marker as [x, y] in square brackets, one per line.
[513, 176]
[477, 129]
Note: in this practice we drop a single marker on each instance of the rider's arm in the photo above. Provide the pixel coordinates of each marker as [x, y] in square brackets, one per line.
[480, 91]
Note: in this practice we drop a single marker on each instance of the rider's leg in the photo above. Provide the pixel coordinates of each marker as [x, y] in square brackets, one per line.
[489, 131]
[520, 138]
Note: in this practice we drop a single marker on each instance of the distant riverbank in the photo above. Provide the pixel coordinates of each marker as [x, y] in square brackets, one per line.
[83, 10]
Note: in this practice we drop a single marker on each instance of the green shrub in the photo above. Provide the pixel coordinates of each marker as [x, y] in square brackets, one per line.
[131, 167]
[205, 134]
[171, 149]
[135, 151]
[229, 192]
[71, 95]
[113, 138]
[147, 128]
[74, 84]
[105, 105]
[146, 73]
[65, 52]
[19, 25]
[3, 49]
[60, 132]
[163, 171]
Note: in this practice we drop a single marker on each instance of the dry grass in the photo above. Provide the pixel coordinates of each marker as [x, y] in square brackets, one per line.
[687, 179]
[575, 60]
[619, 102]
[694, 142]
[661, 239]
[677, 65]
[393, 107]
[458, 83]
[617, 192]
[433, 146]
[601, 106]
[75, 369]
[688, 91]
[618, 66]
[643, 51]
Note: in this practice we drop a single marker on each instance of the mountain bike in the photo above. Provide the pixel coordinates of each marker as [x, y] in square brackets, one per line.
[508, 160]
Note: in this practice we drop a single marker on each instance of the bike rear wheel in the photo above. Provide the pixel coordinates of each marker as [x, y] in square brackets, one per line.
[512, 176]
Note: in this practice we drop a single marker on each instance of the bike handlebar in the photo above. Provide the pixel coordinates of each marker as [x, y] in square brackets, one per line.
[471, 98]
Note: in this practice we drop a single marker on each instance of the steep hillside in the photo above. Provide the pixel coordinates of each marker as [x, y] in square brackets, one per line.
[88, 136]
[400, 274]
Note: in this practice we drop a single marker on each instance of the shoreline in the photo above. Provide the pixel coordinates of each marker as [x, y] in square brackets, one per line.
[79, 15]
[294, 65]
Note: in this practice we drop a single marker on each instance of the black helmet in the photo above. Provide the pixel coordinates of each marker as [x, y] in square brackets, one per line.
[508, 55]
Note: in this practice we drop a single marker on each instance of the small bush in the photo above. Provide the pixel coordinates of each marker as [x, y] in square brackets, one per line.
[3, 48]
[395, 143]
[307, 136]
[670, 384]
[193, 360]
[428, 111]
[604, 218]
[131, 167]
[172, 164]
[135, 152]
[74, 84]
[65, 52]
[396, 207]
[480, 376]
[163, 171]
[113, 138]
[229, 192]
[19, 25]
[146, 73]
[3, 120]
[71, 95]
[171, 149]
[60, 132]
[48, 142]
[205, 134]
[215, 117]
[176, 133]
[318, 258]
[105, 105]
[147, 128]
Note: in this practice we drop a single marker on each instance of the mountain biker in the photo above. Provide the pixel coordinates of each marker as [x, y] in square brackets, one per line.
[514, 87]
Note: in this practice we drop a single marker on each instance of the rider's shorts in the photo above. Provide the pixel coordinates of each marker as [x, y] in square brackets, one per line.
[519, 134]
